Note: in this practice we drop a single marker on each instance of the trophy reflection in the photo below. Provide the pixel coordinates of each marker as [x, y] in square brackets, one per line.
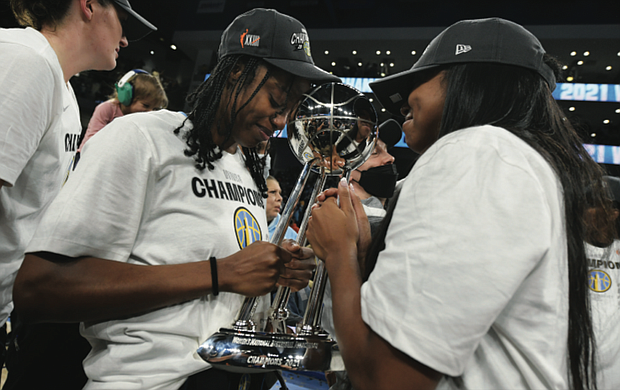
[333, 132]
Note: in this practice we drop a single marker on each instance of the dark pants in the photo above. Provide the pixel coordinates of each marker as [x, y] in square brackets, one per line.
[223, 380]
[45, 356]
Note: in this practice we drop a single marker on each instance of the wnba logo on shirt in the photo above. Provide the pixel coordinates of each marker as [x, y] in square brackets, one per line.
[599, 281]
[247, 228]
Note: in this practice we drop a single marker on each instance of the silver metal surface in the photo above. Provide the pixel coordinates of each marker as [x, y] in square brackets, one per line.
[242, 351]
[335, 124]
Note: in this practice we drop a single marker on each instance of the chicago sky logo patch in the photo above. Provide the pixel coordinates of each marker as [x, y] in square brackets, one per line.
[599, 281]
[247, 229]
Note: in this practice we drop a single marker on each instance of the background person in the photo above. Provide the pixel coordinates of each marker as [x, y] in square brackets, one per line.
[139, 91]
[481, 275]
[603, 253]
[180, 216]
[375, 180]
[39, 130]
[274, 207]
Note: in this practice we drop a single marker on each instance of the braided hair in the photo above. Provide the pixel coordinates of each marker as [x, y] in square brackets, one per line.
[205, 102]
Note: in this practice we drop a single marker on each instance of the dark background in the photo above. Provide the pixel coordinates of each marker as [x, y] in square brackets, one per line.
[341, 26]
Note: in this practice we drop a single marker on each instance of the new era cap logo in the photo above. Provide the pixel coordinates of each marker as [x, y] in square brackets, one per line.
[460, 49]
[249, 39]
[396, 98]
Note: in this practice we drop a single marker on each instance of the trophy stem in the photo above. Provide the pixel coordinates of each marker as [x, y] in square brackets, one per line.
[311, 324]
[287, 213]
[318, 187]
[312, 318]
[244, 318]
[278, 312]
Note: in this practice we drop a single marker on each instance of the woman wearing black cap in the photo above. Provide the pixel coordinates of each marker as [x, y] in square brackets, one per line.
[481, 277]
[156, 237]
[39, 130]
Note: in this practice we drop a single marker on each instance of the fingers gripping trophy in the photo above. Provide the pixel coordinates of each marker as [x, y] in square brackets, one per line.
[333, 132]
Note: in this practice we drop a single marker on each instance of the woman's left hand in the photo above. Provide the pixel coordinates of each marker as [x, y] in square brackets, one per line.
[334, 227]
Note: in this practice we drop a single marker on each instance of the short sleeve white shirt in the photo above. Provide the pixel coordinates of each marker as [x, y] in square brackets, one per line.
[604, 283]
[135, 197]
[473, 281]
[39, 130]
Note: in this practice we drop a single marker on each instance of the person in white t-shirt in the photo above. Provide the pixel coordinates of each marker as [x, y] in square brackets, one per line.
[480, 279]
[603, 252]
[40, 129]
[158, 235]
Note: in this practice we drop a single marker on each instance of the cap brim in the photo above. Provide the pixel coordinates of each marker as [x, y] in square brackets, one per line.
[136, 27]
[305, 70]
[392, 91]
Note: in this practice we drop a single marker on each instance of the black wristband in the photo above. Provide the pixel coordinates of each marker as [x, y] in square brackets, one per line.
[214, 286]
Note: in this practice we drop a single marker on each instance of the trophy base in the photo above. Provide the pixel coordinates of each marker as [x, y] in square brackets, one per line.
[247, 351]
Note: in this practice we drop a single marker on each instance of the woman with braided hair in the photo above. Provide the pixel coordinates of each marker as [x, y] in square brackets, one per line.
[206, 100]
[157, 236]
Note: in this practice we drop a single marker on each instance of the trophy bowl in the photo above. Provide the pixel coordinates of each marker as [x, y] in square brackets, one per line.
[336, 125]
[333, 131]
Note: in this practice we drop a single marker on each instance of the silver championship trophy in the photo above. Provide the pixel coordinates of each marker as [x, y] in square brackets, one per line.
[333, 132]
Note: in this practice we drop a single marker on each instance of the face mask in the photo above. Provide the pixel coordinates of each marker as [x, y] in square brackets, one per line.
[379, 181]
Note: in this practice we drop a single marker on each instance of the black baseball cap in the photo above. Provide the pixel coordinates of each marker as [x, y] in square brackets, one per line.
[478, 40]
[135, 27]
[278, 39]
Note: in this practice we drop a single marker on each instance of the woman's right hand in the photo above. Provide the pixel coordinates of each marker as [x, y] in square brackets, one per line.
[254, 270]
[363, 226]
[334, 227]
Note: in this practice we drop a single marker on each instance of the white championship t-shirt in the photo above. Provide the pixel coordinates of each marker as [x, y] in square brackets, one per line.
[39, 130]
[604, 279]
[473, 281]
[135, 197]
